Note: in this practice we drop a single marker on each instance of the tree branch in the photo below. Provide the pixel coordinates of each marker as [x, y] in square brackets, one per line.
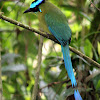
[92, 76]
[51, 37]
[0, 74]
[35, 90]
[94, 5]
[54, 83]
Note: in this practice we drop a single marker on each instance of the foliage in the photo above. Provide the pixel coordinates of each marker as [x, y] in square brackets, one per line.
[20, 49]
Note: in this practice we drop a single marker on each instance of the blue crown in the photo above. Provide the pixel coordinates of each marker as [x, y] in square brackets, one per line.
[36, 3]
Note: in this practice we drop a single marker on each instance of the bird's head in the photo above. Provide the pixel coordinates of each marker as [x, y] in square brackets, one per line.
[34, 7]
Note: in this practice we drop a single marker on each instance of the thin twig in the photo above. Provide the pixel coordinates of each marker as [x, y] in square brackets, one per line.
[51, 37]
[89, 60]
[92, 76]
[56, 92]
[94, 5]
[35, 90]
[54, 83]
[0, 74]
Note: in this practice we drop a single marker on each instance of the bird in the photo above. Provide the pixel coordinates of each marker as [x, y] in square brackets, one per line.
[53, 21]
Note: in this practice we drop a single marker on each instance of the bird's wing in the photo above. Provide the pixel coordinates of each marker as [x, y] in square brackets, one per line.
[58, 27]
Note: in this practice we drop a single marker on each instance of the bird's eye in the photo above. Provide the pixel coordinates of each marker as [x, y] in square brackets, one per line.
[35, 8]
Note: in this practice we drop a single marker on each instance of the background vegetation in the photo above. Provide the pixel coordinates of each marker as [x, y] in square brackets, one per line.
[20, 49]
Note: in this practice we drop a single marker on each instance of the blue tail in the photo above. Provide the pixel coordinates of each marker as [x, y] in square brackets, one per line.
[77, 95]
[68, 64]
[69, 68]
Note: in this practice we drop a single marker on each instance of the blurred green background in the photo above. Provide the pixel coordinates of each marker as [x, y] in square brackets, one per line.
[20, 49]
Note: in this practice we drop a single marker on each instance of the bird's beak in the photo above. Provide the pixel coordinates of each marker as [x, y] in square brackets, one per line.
[28, 10]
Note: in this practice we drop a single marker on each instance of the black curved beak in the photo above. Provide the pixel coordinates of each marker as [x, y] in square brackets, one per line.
[28, 10]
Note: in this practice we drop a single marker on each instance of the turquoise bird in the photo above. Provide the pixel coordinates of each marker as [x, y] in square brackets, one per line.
[53, 21]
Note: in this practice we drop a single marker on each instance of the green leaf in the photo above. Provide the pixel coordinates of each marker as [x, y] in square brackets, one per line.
[98, 85]
[99, 48]
[88, 48]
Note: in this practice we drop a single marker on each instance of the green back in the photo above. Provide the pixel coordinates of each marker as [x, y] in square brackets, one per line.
[57, 24]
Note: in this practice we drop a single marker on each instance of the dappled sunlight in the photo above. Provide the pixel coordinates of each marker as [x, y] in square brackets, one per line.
[19, 48]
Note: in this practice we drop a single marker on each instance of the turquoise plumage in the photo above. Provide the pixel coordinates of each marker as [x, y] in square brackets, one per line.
[77, 95]
[58, 27]
[54, 21]
[68, 64]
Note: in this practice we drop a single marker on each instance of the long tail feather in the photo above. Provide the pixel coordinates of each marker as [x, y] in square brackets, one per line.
[69, 68]
[68, 64]
[77, 95]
